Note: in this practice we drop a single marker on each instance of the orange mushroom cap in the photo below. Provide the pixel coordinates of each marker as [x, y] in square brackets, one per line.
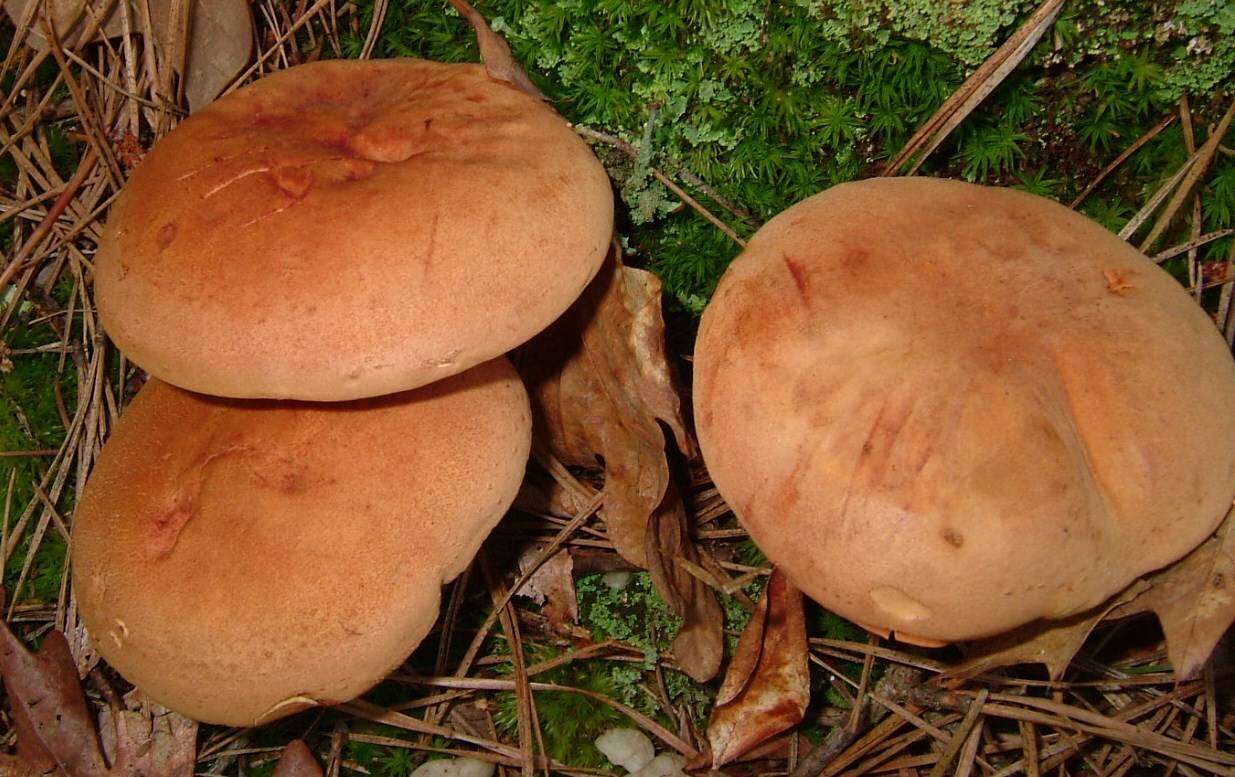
[947, 410]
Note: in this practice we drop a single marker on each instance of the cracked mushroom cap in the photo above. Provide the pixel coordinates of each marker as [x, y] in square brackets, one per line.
[348, 229]
[948, 410]
[242, 560]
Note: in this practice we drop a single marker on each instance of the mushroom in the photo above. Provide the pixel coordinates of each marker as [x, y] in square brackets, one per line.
[947, 410]
[242, 560]
[347, 229]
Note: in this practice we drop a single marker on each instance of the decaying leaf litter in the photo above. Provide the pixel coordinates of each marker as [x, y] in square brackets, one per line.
[1118, 708]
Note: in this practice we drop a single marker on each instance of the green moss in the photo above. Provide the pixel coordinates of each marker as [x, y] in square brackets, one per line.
[30, 420]
[397, 762]
[1218, 203]
[570, 722]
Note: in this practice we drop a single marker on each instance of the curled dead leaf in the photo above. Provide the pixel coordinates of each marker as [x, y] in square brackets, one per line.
[1194, 599]
[601, 388]
[71, 21]
[495, 51]
[1053, 643]
[146, 738]
[54, 726]
[220, 37]
[220, 45]
[552, 585]
[767, 687]
[699, 645]
[49, 709]
[297, 761]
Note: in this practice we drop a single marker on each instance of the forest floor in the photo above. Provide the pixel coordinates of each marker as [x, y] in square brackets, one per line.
[747, 107]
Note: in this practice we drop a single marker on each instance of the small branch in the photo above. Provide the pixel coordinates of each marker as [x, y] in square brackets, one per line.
[1163, 192]
[57, 209]
[1119, 160]
[1197, 242]
[960, 736]
[1205, 155]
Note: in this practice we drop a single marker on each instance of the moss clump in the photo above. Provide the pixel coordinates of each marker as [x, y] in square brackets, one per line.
[570, 722]
[30, 420]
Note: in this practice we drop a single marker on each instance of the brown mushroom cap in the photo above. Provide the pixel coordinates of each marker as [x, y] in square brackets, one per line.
[241, 560]
[948, 410]
[347, 229]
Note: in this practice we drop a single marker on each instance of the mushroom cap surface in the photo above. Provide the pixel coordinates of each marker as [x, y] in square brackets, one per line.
[346, 229]
[948, 410]
[240, 560]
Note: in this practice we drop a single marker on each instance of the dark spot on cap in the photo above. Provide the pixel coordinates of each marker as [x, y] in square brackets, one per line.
[290, 483]
[798, 273]
[164, 530]
[165, 235]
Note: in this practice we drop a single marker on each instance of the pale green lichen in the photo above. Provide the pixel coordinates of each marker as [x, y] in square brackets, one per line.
[1204, 31]
[1196, 37]
[966, 29]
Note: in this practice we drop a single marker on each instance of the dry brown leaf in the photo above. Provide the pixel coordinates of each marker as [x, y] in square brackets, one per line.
[601, 387]
[1194, 599]
[495, 52]
[49, 708]
[221, 42]
[699, 645]
[30, 751]
[220, 47]
[148, 739]
[297, 761]
[70, 20]
[54, 725]
[13, 766]
[749, 649]
[767, 687]
[1053, 643]
[552, 585]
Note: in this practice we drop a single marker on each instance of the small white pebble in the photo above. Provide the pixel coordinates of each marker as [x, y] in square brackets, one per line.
[664, 765]
[455, 767]
[617, 580]
[628, 748]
